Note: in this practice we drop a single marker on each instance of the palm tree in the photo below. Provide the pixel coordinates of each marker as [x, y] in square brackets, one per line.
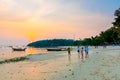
[117, 19]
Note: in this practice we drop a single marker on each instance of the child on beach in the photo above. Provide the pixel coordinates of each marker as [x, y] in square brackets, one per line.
[86, 51]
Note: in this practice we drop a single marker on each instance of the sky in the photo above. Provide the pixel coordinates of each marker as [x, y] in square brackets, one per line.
[24, 21]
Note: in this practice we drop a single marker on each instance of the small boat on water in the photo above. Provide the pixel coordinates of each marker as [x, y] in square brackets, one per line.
[56, 49]
[18, 49]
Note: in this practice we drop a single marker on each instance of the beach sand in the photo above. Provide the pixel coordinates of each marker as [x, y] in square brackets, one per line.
[102, 64]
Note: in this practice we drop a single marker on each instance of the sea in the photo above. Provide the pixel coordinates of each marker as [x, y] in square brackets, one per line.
[6, 52]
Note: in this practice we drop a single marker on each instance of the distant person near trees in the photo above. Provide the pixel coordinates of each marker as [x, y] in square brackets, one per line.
[86, 51]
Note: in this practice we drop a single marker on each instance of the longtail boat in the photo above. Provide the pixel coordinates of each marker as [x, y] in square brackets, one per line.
[56, 49]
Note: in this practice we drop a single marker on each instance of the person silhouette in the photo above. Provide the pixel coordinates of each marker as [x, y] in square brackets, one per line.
[78, 49]
[69, 53]
[82, 49]
[86, 51]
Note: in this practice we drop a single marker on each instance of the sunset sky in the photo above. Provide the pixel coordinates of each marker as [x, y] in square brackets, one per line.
[22, 21]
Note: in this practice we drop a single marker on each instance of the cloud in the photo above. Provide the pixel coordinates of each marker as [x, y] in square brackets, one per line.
[12, 11]
[17, 10]
[45, 11]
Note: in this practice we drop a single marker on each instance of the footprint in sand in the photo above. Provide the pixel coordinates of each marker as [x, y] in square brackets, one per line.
[72, 73]
[65, 76]
[11, 77]
[55, 71]
[70, 70]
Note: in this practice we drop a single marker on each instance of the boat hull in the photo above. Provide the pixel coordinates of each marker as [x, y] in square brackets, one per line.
[18, 49]
[56, 49]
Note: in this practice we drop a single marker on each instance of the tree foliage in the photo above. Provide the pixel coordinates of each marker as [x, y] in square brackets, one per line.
[117, 19]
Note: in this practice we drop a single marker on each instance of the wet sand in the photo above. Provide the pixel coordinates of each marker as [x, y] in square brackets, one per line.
[102, 64]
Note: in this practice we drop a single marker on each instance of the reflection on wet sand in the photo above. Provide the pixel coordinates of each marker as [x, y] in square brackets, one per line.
[30, 50]
[69, 58]
[78, 55]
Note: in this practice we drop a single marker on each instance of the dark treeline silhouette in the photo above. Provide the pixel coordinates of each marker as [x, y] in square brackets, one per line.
[52, 43]
[110, 36]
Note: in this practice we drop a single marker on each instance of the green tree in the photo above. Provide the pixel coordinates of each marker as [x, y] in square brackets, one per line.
[116, 24]
[117, 19]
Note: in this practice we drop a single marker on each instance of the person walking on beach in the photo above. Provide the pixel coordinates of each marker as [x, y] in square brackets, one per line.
[69, 51]
[82, 49]
[78, 49]
[86, 51]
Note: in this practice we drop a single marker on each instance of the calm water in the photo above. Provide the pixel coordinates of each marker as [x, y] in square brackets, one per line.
[7, 52]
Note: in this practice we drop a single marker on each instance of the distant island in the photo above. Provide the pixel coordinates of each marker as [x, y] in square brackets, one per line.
[110, 36]
[52, 43]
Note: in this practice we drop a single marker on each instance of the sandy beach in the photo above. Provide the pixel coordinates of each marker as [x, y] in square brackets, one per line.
[102, 64]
